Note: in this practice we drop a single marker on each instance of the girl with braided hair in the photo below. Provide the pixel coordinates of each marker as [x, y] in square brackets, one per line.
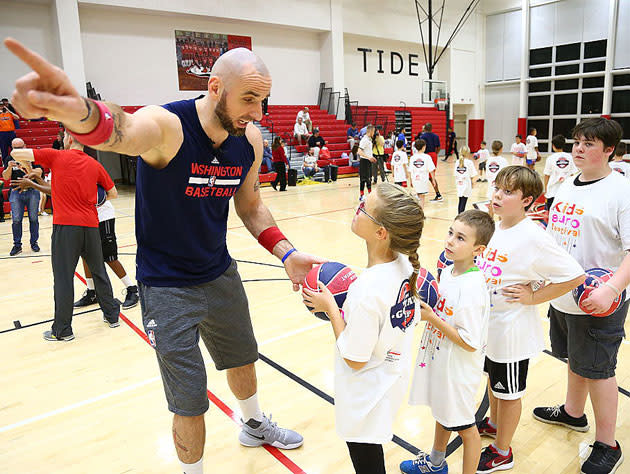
[374, 329]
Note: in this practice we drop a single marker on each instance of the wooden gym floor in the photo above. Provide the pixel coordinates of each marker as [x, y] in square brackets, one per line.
[97, 405]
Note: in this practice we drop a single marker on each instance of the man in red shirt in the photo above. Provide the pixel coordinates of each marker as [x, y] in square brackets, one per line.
[75, 176]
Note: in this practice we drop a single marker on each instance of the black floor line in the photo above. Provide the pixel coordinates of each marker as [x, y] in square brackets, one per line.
[452, 446]
[622, 390]
[20, 326]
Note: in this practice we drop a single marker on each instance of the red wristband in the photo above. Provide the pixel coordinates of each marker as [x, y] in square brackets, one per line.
[103, 130]
[269, 237]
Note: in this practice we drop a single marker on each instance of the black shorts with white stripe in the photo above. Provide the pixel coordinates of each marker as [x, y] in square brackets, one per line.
[507, 379]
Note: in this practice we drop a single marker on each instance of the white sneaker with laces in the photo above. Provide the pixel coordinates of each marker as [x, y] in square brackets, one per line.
[269, 433]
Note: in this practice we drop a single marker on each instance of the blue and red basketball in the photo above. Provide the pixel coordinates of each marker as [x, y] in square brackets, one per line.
[443, 262]
[594, 278]
[336, 276]
[427, 288]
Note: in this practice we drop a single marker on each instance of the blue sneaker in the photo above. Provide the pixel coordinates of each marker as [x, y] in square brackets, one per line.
[422, 465]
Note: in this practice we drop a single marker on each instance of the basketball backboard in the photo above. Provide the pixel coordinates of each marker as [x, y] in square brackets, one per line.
[432, 90]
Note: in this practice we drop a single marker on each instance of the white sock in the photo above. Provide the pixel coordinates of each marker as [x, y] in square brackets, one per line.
[195, 468]
[500, 451]
[90, 283]
[437, 457]
[492, 424]
[250, 408]
[127, 281]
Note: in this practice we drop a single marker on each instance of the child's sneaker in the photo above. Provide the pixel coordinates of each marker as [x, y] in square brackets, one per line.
[603, 459]
[268, 432]
[557, 416]
[486, 429]
[422, 465]
[491, 461]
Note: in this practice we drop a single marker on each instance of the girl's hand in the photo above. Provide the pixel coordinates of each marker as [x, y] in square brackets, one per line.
[322, 301]
[599, 300]
[519, 294]
[426, 312]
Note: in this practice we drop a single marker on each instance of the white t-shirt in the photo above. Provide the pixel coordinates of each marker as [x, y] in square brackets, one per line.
[381, 318]
[483, 154]
[494, 165]
[300, 129]
[559, 166]
[420, 165]
[309, 161]
[518, 148]
[463, 177]
[399, 160]
[592, 223]
[106, 211]
[531, 143]
[446, 376]
[366, 146]
[621, 167]
[524, 253]
[304, 115]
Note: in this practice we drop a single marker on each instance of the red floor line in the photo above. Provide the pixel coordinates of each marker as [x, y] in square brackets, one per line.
[275, 452]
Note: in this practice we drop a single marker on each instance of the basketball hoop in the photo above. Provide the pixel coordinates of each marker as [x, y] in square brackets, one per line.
[440, 104]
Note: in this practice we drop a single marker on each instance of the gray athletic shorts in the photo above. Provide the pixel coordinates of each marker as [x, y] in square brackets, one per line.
[173, 320]
[591, 344]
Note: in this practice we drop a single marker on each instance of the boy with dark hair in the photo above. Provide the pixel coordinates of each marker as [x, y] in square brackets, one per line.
[617, 163]
[531, 143]
[518, 151]
[449, 366]
[590, 218]
[520, 252]
[558, 167]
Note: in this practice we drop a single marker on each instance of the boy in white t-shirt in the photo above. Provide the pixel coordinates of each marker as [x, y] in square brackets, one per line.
[531, 143]
[617, 164]
[464, 171]
[519, 253]
[518, 150]
[399, 164]
[449, 365]
[421, 168]
[482, 155]
[590, 218]
[558, 167]
[374, 330]
[495, 164]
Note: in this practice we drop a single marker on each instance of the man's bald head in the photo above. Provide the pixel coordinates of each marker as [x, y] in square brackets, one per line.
[17, 143]
[240, 63]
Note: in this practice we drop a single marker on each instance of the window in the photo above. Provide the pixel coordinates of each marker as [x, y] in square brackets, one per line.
[543, 147]
[621, 102]
[567, 84]
[539, 86]
[540, 72]
[541, 126]
[625, 124]
[621, 80]
[568, 52]
[592, 102]
[538, 105]
[596, 66]
[592, 82]
[565, 104]
[540, 56]
[568, 69]
[595, 49]
[563, 127]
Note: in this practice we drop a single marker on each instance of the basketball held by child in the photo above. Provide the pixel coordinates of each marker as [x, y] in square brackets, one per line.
[101, 195]
[336, 276]
[427, 288]
[443, 262]
[595, 277]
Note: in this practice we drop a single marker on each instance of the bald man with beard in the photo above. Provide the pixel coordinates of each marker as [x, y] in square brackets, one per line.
[195, 155]
[20, 199]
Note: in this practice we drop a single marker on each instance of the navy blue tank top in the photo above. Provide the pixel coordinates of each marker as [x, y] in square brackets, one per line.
[182, 209]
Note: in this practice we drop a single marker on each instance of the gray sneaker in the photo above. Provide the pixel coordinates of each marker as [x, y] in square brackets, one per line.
[269, 433]
[112, 325]
[49, 336]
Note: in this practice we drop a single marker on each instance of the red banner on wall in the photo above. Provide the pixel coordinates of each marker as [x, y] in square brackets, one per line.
[197, 52]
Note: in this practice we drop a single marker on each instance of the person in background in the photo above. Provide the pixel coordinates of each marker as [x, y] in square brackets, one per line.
[7, 130]
[378, 150]
[267, 156]
[279, 164]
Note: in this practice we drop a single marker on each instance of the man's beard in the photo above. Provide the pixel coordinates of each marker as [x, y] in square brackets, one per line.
[226, 122]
